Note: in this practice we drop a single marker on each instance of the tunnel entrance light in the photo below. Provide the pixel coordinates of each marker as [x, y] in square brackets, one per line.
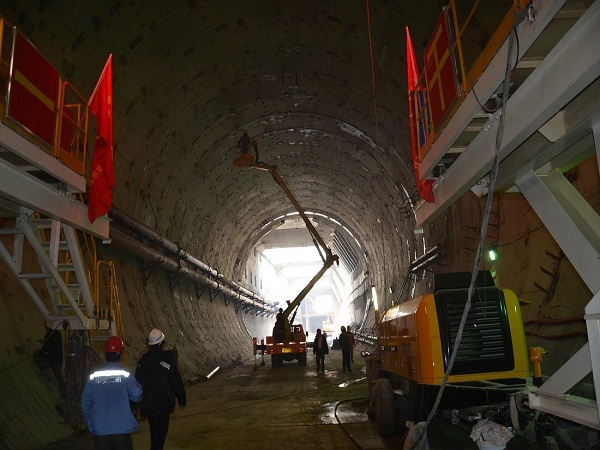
[374, 296]
[375, 303]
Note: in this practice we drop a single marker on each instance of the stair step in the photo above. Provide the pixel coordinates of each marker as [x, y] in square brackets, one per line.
[41, 223]
[34, 276]
[62, 245]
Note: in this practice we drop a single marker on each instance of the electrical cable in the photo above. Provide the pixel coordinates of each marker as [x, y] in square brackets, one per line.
[360, 447]
[558, 336]
[484, 225]
[28, 357]
[372, 75]
[555, 321]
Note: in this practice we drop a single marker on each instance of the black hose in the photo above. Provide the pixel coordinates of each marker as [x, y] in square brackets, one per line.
[342, 425]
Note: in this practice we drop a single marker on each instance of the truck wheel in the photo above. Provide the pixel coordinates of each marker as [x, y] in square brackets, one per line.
[384, 407]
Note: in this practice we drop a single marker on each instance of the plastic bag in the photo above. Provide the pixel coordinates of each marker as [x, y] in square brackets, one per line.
[414, 431]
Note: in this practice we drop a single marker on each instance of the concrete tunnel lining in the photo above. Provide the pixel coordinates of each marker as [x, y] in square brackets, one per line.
[304, 90]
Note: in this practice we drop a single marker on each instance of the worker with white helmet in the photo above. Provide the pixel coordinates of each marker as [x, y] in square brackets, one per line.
[158, 374]
[105, 401]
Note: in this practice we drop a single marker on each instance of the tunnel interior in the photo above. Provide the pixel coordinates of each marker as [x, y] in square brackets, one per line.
[201, 247]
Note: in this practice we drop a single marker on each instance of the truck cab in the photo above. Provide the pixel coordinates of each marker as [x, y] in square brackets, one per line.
[294, 349]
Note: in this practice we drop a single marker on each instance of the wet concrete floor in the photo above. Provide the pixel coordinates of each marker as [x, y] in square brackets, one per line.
[250, 406]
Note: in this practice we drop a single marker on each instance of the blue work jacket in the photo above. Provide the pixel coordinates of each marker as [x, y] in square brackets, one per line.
[105, 400]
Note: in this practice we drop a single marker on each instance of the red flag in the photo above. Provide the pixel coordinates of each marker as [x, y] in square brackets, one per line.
[424, 186]
[102, 178]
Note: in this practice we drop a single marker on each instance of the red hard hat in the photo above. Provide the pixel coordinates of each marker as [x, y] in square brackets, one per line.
[113, 345]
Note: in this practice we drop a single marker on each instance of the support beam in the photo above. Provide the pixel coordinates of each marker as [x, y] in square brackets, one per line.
[27, 190]
[576, 409]
[25, 149]
[592, 321]
[569, 68]
[570, 219]
[596, 131]
[577, 368]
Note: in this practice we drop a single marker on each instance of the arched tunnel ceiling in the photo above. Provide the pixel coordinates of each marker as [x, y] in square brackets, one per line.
[189, 76]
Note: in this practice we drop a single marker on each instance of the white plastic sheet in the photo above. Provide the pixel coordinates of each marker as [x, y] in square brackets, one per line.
[489, 435]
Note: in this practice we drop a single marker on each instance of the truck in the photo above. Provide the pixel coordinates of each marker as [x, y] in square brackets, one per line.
[415, 344]
[293, 346]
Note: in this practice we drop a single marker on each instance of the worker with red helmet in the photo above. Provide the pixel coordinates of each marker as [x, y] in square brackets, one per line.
[105, 401]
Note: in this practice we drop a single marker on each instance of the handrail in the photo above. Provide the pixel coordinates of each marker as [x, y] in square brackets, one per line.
[468, 75]
[71, 113]
[74, 117]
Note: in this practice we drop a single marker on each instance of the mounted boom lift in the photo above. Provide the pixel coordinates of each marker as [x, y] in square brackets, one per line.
[294, 345]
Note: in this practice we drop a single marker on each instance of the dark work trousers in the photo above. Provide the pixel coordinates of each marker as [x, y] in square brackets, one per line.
[320, 361]
[113, 442]
[159, 426]
[346, 360]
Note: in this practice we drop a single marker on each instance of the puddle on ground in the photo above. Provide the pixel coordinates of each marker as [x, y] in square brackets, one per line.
[348, 383]
[347, 412]
[238, 376]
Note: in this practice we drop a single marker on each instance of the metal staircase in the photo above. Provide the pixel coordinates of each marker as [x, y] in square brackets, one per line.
[46, 250]
[46, 239]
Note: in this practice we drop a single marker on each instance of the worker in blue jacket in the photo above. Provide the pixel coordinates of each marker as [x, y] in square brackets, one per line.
[105, 401]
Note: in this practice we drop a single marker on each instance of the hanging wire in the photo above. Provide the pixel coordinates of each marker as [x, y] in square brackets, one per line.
[373, 76]
[488, 207]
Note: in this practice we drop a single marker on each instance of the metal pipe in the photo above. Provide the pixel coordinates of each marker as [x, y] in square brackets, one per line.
[125, 242]
[425, 263]
[131, 223]
[424, 256]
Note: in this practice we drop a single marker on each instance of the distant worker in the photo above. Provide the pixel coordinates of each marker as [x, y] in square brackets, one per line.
[352, 343]
[279, 334]
[244, 142]
[345, 346]
[50, 355]
[320, 349]
[161, 381]
[105, 401]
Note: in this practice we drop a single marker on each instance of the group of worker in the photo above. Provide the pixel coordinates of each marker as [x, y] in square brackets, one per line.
[111, 391]
[346, 342]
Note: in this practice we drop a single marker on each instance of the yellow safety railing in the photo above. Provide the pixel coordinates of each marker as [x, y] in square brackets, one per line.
[107, 297]
[71, 114]
[469, 66]
[102, 280]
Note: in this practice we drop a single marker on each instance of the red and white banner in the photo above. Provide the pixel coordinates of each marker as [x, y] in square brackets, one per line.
[440, 75]
[102, 179]
[34, 88]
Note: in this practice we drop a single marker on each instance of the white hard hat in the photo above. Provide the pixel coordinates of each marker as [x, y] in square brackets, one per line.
[155, 337]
